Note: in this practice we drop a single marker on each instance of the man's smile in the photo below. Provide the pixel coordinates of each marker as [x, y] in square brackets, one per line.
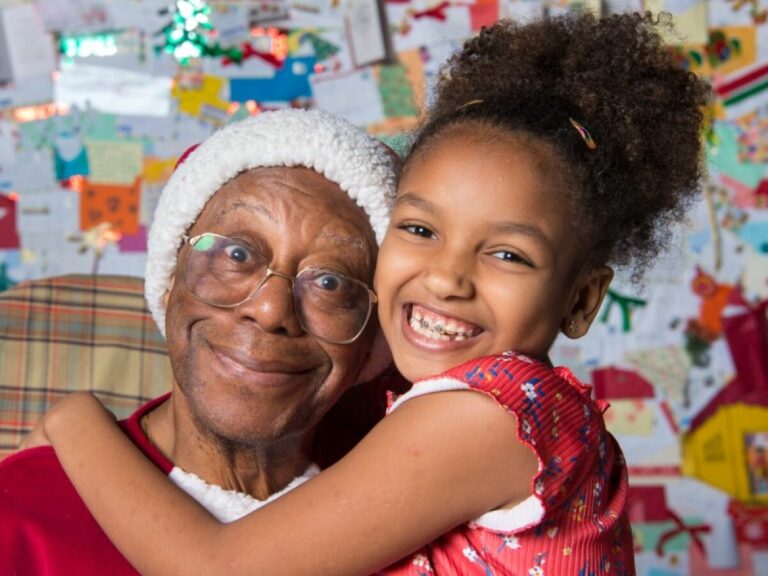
[264, 372]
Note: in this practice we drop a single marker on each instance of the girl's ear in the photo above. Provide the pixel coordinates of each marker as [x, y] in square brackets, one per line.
[589, 290]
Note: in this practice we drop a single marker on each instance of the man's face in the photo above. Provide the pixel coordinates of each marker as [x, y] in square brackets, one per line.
[250, 374]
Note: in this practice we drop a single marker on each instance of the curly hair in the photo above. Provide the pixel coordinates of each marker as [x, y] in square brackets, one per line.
[615, 77]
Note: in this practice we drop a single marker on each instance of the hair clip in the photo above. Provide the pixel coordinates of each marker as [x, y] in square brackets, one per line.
[584, 133]
[468, 104]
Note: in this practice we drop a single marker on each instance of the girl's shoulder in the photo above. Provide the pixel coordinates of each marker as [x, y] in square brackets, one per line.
[515, 381]
[556, 417]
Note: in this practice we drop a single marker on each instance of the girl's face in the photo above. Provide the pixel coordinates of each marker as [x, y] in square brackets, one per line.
[479, 257]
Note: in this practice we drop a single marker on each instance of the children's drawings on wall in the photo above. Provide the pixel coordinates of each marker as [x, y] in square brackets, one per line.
[93, 122]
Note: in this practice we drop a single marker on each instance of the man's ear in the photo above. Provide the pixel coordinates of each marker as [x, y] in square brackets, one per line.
[171, 284]
[589, 290]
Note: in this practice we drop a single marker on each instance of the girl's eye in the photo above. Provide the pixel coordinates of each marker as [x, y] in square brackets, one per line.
[507, 256]
[238, 253]
[417, 230]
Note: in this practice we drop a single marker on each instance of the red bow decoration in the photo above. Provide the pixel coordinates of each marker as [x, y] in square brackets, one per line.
[438, 12]
[694, 531]
[250, 52]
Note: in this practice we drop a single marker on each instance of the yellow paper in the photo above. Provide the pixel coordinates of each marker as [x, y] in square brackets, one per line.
[192, 100]
[744, 36]
[158, 170]
[114, 161]
[690, 25]
[717, 453]
[630, 418]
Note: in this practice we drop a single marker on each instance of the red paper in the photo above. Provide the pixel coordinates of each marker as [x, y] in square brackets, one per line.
[9, 233]
[647, 504]
[751, 523]
[483, 14]
[616, 383]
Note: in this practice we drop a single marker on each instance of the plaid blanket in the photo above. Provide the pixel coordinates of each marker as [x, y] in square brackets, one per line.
[76, 333]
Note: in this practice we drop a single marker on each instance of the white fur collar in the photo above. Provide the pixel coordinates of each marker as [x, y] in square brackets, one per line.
[229, 505]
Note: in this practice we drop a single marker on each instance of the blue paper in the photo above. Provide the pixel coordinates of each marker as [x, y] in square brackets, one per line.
[77, 166]
[289, 82]
[756, 235]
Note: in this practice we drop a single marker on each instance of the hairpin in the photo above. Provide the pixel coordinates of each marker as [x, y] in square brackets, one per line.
[468, 104]
[584, 133]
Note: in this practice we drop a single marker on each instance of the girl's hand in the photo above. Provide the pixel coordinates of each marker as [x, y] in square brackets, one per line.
[36, 437]
[73, 410]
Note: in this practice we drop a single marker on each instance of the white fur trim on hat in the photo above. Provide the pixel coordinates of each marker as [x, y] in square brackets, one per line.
[362, 166]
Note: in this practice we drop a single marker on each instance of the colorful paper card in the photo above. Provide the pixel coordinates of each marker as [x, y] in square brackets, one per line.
[115, 161]
[690, 18]
[614, 383]
[9, 233]
[113, 90]
[135, 242]
[647, 504]
[366, 32]
[483, 13]
[630, 418]
[208, 92]
[113, 203]
[331, 94]
[396, 92]
[26, 47]
[289, 82]
[70, 157]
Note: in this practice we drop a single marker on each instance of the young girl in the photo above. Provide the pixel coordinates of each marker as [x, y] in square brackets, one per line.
[554, 150]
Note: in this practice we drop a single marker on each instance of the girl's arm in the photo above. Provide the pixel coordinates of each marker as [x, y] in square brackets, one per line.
[438, 461]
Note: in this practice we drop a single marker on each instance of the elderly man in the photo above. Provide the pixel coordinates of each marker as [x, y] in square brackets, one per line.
[261, 257]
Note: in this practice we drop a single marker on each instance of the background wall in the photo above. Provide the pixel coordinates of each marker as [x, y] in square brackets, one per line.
[99, 98]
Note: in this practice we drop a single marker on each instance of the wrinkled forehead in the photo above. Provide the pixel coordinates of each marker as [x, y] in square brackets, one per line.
[287, 199]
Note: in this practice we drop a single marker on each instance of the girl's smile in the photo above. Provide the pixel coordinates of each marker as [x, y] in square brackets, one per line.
[430, 328]
[437, 326]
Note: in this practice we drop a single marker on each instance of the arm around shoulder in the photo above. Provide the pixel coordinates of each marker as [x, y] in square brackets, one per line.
[395, 492]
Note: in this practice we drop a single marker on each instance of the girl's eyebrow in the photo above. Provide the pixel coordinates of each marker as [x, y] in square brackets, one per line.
[417, 201]
[521, 228]
[506, 227]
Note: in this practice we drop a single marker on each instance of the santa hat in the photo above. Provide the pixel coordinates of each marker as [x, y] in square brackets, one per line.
[362, 166]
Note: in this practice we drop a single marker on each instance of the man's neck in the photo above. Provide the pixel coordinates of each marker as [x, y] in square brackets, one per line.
[258, 471]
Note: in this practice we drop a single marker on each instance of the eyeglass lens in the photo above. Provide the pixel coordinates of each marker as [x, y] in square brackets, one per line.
[227, 271]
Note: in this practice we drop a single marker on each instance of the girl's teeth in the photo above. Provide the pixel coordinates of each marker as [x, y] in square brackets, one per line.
[436, 331]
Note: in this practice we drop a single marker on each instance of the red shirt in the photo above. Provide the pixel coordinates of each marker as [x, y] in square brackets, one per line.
[574, 522]
[45, 528]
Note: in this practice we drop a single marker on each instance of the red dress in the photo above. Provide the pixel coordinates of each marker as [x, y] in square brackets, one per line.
[574, 522]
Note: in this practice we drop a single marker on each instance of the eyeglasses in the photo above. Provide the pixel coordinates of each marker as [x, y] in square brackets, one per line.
[225, 272]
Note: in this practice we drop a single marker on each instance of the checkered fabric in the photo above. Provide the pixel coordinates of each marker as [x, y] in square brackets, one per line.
[71, 333]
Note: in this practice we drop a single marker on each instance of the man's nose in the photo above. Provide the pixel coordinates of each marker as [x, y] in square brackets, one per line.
[450, 274]
[271, 307]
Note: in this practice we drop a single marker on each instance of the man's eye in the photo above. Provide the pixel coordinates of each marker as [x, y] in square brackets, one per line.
[330, 282]
[508, 256]
[238, 253]
[418, 230]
